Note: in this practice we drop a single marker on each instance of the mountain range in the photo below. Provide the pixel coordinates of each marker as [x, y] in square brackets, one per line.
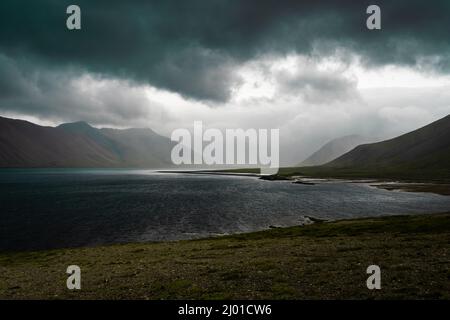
[24, 144]
[422, 153]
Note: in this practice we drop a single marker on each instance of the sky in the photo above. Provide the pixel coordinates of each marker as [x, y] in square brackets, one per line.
[309, 68]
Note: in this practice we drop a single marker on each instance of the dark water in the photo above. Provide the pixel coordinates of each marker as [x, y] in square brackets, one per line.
[42, 209]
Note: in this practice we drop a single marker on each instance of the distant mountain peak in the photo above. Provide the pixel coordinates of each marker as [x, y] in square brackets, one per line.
[335, 148]
[75, 125]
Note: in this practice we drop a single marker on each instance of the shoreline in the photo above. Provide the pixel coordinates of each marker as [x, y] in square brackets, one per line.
[309, 220]
[431, 186]
[436, 188]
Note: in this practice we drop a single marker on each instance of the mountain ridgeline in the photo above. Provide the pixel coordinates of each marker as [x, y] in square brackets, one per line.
[24, 144]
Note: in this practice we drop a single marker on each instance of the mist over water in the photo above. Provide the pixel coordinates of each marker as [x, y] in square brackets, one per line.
[41, 209]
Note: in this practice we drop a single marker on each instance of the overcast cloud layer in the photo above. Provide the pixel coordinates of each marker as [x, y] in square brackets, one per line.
[310, 68]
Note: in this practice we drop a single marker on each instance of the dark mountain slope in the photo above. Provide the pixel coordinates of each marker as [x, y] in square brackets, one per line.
[24, 144]
[425, 151]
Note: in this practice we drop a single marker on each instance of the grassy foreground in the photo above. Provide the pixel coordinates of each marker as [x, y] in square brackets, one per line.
[320, 261]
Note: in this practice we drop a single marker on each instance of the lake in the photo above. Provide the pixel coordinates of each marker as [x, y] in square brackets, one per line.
[42, 209]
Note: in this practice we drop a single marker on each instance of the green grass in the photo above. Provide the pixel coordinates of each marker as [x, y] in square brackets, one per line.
[320, 261]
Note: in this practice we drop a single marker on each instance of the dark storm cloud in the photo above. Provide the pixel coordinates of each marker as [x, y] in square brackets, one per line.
[68, 95]
[192, 47]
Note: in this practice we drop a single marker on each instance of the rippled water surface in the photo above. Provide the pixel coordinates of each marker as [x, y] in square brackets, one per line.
[64, 208]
